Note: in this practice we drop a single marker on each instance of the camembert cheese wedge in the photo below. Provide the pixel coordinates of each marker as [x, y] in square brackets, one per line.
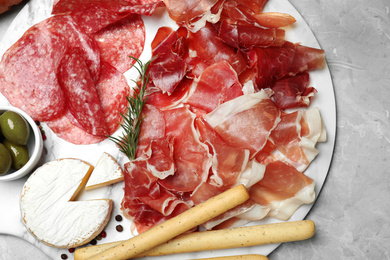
[48, 208]
[106, 172]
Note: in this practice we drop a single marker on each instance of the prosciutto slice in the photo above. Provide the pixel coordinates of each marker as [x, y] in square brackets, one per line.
[283, 189]
[293, 92]
[192, 158]
[248, 36]
[295, 137]
[288, 60]
[210, 48]
[245, 122]
[168, 68]
[145, 201]
[217, 84]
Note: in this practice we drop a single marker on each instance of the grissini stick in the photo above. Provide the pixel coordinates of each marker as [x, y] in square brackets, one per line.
[222, 239]
[237, 257]
[177, 225]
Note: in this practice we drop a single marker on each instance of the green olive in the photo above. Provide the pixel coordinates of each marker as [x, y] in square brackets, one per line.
[5, 160]
[19, 154]
[14, 128]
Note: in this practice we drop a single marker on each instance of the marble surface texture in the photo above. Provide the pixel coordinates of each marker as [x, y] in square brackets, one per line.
[353, 209]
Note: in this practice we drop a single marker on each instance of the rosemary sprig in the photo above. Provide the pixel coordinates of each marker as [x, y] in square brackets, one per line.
[132, 120]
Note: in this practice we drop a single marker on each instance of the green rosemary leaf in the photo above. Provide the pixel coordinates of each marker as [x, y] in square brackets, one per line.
[132, 120]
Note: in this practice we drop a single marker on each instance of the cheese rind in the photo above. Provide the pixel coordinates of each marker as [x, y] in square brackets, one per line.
[106, 172]
[48, 212]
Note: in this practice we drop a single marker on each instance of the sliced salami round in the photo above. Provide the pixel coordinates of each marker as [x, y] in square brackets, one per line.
[30, 81]
[65, 129]
[112, 89]
[81, 95]
[121, 40]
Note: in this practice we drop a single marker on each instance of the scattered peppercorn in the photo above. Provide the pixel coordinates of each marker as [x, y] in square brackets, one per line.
[119, 228]
[99, 237]
[118, 218]
[93, 242]
[103, 234]
[64, 256]
[71, 250]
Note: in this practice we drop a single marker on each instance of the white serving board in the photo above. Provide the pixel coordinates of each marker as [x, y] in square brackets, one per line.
[54, 147]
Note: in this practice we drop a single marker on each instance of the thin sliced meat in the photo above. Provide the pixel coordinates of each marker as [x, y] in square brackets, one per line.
[168, 67]
[68, 131]
[192, 13]
[81, 95]
[228, 162]
[284, 189]
[192, 158]
[217, 84]
[31, 80]
[274, 63]
[112, 89]
[29, 67]
[164, 101]
[249, 36]
[296, 136]
[293, 92]
[251, 13]
[152, 128]
[118, 41]
[144, 7]
[145, 201]
[210, 48]
[245, 122]
[159, 158]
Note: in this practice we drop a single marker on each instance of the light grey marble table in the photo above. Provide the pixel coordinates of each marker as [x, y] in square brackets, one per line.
[352, 212]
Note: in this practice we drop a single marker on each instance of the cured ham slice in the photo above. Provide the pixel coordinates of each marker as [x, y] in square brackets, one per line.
[168, 68]
[145, 201]
[165, 101]
[296, 136]
[247, 36]
[192, 158]
[288, 60]
[228, 162]
[283, 189]
[293, 92]
[192, 14]
[153, 128]
[81, 94]
[250, 13]
[217, 84]
[245, 122]
[209, 47]
[120, 41]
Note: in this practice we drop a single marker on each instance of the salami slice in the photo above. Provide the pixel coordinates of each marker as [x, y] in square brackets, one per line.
[29, 82]
[30, 66]
[81, 94]
[120, 40]
[66, 130]
[112, 89]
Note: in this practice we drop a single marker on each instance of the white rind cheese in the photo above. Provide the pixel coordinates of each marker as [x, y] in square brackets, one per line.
[48, 211]
[107, 171]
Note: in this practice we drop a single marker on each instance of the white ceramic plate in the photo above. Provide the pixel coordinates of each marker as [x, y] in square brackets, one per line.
[38, 10]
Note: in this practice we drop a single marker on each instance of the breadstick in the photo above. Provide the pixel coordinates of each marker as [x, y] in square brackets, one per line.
[177, 225]
[222, 239]
[236, 237]
[237, 257]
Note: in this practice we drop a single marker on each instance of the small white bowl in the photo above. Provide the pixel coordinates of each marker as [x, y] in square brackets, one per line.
[34, 144]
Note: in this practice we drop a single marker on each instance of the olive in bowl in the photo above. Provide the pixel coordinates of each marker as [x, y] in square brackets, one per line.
[21, 140]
